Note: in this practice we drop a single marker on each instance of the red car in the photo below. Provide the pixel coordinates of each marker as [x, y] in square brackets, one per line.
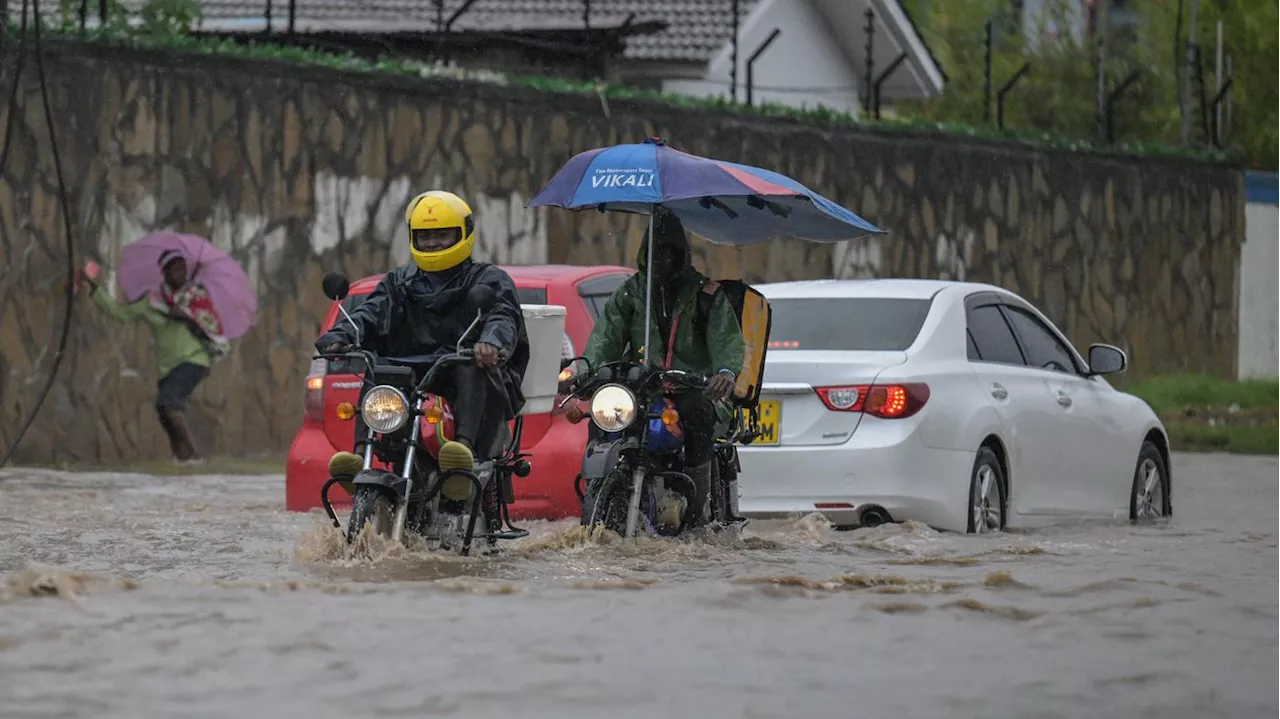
[556, 445]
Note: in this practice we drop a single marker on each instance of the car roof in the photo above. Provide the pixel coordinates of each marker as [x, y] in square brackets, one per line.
[880, 288]
[522, 275]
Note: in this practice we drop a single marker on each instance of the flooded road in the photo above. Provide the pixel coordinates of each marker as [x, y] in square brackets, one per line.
[137, 596]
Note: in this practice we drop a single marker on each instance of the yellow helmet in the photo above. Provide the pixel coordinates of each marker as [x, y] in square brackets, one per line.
[438, 217]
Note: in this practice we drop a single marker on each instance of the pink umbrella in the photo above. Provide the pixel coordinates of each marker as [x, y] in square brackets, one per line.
[229, 290]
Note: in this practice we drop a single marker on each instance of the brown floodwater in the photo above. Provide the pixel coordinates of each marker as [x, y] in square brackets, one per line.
[199, 596]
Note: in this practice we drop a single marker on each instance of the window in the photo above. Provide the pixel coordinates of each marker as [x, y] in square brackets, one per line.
[870, 324]
[1044, 349]
[596, 291]
[991, 337]
[532, 295]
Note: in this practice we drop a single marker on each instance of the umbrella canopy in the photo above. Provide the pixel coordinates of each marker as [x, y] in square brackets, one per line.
[723, 202]
[229, 290]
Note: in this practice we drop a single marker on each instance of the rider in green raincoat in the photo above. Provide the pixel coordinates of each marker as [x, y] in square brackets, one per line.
[688, 333]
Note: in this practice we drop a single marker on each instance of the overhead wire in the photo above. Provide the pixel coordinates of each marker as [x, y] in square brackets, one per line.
[65, 204]
[13, 90]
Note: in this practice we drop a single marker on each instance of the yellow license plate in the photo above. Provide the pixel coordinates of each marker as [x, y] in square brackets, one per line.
[770, 426]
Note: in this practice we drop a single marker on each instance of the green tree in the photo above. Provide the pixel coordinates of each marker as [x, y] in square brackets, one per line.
[1059, 95]
[1250, 40]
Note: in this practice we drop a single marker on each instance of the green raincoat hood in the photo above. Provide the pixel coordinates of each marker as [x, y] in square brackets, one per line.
[668, 231]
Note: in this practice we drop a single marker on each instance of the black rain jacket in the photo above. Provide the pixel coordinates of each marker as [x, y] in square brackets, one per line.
[412, 312]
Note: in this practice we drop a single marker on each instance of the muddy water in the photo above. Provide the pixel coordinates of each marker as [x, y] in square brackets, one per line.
[139, 596]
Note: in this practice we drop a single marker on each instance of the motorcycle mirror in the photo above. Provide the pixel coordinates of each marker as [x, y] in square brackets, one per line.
[335, 286]
[482, 297]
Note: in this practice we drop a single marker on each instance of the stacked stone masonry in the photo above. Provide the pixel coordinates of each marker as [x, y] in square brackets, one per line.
[299, 171]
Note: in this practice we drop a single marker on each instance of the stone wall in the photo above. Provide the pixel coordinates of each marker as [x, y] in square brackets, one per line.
[300, 170]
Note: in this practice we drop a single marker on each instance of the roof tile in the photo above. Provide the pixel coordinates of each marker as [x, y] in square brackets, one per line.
[696, 30]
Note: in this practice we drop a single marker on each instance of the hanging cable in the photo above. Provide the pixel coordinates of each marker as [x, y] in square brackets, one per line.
[13, 90]
[66, 214]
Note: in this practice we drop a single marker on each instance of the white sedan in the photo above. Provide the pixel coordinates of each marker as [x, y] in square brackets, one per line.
[954, 404]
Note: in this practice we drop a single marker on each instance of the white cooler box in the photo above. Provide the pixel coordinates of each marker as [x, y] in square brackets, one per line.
[545, 325]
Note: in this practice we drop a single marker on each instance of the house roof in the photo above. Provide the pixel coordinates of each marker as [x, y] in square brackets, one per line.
[696, 29]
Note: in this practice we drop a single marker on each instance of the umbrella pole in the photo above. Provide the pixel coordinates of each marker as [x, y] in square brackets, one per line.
[648, 294]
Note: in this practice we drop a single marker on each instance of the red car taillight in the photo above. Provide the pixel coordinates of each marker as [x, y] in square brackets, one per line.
[886, 401]
[314, 402]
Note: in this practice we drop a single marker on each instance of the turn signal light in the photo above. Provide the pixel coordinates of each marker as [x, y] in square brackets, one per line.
[670, 416]
[890, 401]
[314, 398]
[566, 374]
[434, 414]
[345, 410]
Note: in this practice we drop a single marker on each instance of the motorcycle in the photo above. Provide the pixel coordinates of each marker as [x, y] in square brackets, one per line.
[403, 426]
[634, 464]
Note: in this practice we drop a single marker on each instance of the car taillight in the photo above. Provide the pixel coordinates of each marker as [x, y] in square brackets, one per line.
[314, 402]
[886, 401]
[566, 348]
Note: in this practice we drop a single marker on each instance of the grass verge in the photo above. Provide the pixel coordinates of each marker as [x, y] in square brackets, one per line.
[1208, 414]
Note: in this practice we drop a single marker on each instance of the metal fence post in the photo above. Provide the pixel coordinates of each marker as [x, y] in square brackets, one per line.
[733, 69]
[1004, 90]
[871, 59]
[751, 62]
[885, 76]
[986, 73]
[1111, 103]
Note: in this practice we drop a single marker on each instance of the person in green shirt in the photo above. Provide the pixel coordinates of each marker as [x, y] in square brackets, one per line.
[182, 357]
[682, 339]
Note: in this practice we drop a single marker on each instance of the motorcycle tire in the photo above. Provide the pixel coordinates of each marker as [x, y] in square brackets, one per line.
[371, 505]
[605, 504]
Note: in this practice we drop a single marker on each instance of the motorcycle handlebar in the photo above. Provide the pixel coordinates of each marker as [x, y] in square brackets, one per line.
[459, 356]
[693, 380]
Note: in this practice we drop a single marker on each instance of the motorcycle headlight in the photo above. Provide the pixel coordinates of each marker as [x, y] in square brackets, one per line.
[613, 408]
[384, 409]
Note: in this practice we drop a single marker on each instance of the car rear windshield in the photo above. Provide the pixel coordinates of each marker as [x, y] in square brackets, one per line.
[865, 324]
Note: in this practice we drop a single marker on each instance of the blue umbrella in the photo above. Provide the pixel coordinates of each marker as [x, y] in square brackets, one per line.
[724, 202]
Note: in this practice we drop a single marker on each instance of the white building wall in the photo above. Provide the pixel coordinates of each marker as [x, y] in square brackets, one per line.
[1038, 19]
[804, 67]
[1259, 317]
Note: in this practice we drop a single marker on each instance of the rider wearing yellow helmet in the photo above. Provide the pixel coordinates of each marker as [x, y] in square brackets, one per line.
[442, 231]
[420, 309]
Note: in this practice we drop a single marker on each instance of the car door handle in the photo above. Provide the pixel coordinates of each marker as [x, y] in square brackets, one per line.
[999, 392]
[1063, 398]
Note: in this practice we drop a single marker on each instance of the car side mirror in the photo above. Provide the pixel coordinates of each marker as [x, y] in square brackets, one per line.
[335, 286]
[1107, 359]
[482, 297]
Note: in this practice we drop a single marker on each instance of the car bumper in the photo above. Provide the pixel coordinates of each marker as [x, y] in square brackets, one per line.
[881, 465]
[547, 493]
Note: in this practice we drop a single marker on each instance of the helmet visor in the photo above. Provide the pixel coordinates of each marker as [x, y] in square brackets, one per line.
[436, 239]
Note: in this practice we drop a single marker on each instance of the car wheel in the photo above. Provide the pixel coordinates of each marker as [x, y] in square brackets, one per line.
[987, 502]
[1149, 497]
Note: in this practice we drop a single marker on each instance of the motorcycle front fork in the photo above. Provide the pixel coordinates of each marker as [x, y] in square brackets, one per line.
[633, 506]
